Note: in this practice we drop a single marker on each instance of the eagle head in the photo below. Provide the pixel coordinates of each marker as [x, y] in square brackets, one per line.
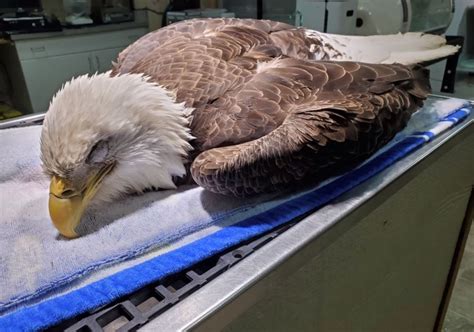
[104, 136]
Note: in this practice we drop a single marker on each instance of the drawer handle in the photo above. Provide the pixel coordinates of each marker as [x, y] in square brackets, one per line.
[38, 49]
[97, 59]
[91, 67]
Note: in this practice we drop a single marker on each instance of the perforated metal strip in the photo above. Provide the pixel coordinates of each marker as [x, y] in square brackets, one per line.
[136, 310]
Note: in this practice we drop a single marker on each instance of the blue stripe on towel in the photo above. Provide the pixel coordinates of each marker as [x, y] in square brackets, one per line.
[99, 293]
[428, 134]
[457, 116]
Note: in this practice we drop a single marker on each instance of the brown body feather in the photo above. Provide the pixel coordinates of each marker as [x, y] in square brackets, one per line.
[267, 112]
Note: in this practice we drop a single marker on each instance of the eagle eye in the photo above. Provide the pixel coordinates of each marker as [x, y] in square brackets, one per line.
[98, 153]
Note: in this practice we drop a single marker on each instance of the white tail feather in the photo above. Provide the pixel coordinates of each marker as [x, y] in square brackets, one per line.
[419, 56]
[407, 49]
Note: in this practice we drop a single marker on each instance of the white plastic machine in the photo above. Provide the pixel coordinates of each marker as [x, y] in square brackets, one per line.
[369, 17]
[327, 16]
[405, 15]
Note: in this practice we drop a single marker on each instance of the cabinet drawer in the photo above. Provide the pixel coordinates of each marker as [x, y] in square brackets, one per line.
[56, 46]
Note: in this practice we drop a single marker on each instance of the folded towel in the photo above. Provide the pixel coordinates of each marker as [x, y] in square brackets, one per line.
[35, 262]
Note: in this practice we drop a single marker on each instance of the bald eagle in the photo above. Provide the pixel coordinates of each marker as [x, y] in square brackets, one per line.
[244, 106]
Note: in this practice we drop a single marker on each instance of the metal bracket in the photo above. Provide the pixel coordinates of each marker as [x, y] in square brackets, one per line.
[449, 77]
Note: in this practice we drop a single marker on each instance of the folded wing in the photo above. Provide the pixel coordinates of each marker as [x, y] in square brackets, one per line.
[333, 124]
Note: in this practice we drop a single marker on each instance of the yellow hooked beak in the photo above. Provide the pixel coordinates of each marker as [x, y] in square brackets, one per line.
[67, 204]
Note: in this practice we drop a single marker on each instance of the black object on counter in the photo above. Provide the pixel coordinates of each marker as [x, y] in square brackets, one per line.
[27, 24]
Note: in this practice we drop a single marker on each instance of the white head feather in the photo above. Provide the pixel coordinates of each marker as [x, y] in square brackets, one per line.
[145, 133]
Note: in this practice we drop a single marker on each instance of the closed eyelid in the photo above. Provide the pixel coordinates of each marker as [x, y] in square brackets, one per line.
[98, 152]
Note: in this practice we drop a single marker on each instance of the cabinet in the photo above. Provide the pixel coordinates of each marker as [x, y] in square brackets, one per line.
[44, 76]
[39, 67]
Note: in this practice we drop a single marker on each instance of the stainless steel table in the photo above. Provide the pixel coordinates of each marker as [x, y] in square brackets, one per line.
[383, 257]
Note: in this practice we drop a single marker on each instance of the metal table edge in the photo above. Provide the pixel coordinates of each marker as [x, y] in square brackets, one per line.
[193, 310]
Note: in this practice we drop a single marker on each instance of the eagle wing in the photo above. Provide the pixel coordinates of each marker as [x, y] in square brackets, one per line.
[337, 120]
